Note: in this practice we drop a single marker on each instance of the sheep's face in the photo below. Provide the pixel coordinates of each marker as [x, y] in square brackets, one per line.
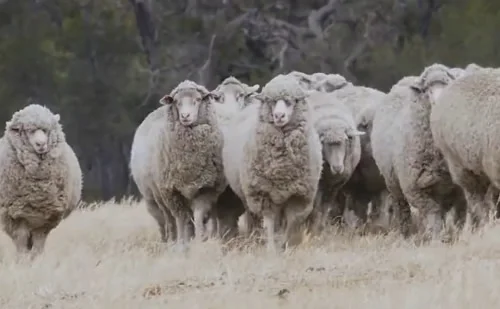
[236, 94]
[282, 112]
[187, 104]
[336, 147]
[36, 134]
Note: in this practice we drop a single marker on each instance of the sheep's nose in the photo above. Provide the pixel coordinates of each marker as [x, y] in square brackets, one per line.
[279, 116]
[184, 115]
[337, 169]
[40, 144]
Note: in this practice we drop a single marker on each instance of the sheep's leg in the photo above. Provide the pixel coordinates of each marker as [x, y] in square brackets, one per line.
[22, 238]
[432, 212]
[317, 217]
[155, 211]
[296, 212]
[248, 223]
[201, 205]
[475, 190]
[401, 212]
[39, 237]
[170, 225]
[269, 217]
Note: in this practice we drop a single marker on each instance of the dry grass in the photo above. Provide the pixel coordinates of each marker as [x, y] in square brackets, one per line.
[111, 258]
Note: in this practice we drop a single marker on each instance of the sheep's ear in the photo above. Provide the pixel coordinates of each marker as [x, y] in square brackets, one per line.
[57, 117]
[353, 133]
[167, 99]
[417, 88]
[254, 88]
[13, 126]
[210, 96]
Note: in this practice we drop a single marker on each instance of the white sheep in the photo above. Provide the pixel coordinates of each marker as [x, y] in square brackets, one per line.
[341, 153]
[328, 82]
[403, 148]
[464, 123]
[40, 177]
[232, 95]
[182, 156]
[272, 158]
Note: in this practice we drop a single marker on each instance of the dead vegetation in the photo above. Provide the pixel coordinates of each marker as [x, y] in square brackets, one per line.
[111, 257]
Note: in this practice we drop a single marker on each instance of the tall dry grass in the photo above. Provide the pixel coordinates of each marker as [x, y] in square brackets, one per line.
[111, 257]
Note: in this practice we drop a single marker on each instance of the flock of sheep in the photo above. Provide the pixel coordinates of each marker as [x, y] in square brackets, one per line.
[300, 154]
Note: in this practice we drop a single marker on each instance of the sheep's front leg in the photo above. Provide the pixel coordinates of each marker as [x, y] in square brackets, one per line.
[201, 206]
[269, 211]
[177, 205]
[296, 211]
[269, 218]
[39, 237]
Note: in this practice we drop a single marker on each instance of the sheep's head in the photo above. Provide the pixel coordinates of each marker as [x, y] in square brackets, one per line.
[187, 100]
[337, 141]
[232, 91]
[283, 102]
[330, 83]
[432, 82]
[36, 127]
[304, 80]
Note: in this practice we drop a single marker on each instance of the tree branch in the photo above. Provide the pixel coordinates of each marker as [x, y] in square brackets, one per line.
[204, 71]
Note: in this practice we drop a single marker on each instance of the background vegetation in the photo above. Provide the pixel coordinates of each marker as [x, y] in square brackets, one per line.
[103, 64]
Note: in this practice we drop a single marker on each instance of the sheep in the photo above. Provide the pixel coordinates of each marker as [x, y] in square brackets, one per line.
[341, 152]
[144, 140]
[366, 183]
[232, 96]
[182, 157]
[457, 72]
[328, 82]
[403, 148]
[40, 177]
[464, 124]
[272, 159]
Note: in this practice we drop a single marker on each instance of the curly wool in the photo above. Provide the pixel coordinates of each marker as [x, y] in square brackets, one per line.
[356, 98]
[465, 127]
[403, 146]
[38, 190]
[333, 121]
[185, 159]
[282, 163]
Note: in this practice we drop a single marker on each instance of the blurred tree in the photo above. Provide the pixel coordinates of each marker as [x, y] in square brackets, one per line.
[104, 64]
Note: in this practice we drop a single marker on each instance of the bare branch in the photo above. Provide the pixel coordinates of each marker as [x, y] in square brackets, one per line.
[204, 71]
[317, 17]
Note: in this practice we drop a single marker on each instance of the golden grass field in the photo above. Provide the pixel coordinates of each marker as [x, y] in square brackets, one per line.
[111, 257]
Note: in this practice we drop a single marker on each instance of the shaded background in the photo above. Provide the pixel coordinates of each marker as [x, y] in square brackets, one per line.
[103, 64]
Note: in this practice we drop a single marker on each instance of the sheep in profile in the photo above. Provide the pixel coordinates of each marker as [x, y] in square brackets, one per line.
[464, 123]
[182, 156]
[403, 148]
[341, 153]
[273, 158]
[40, 177]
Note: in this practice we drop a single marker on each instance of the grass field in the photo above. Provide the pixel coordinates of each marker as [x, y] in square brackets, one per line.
[112, 258]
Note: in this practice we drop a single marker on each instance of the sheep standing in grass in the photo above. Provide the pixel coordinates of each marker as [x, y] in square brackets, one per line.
[465, 126]
[403, 148]
[40, 177]
[366, 184]
[232, 96]
[182, 156]
[341, 153]
[273, 158]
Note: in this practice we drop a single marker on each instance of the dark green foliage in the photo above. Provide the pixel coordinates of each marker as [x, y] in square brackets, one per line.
[103, 66]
